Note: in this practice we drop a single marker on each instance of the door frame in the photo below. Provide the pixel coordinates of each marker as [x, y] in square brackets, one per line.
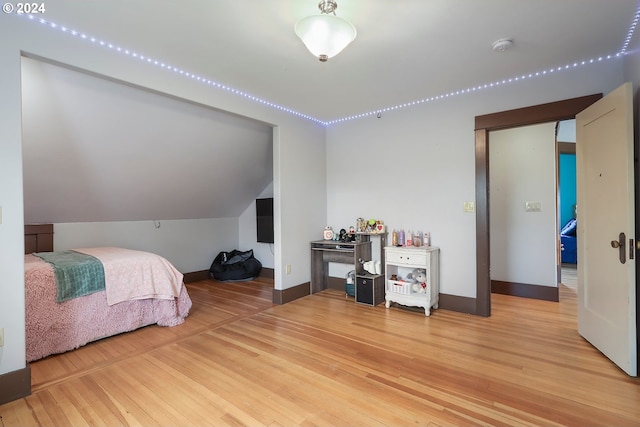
[542, 113]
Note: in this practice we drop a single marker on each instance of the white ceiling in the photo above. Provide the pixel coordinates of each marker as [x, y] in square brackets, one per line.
[98, 151]
[406, 50]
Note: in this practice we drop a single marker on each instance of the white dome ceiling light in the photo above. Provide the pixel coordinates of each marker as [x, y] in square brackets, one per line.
[325, 35]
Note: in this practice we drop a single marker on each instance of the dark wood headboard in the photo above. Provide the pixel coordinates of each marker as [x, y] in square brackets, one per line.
[38, 238]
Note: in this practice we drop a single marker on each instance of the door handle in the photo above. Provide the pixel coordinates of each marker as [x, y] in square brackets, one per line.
[620, 244]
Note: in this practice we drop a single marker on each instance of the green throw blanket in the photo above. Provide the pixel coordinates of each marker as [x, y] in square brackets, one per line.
[76, 273]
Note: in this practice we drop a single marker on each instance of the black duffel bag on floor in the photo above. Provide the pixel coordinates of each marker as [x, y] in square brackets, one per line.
[235, 265]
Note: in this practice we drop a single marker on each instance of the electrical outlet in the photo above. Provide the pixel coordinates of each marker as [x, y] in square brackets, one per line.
[469, 206]
[1, 337]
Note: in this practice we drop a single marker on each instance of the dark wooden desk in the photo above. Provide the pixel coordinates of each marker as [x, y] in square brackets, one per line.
[325, 251]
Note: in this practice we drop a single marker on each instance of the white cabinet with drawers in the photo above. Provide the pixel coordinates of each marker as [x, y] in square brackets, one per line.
[400, 263]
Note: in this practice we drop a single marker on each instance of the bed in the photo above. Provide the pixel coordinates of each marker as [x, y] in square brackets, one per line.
[569, 242]
[58, 322]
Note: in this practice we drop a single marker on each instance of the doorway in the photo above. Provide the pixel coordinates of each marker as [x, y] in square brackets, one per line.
[567, 208]
[522, 213]
[555, 111]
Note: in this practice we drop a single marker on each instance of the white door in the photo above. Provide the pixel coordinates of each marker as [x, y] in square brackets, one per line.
[606, 227]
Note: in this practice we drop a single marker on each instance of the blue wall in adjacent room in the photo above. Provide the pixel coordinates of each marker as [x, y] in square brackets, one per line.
[567, 187]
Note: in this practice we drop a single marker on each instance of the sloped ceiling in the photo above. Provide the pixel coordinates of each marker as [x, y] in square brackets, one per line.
[159, 162]
[96, 150]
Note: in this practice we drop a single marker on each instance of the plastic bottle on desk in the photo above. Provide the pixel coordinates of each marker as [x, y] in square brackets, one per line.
[401, 238]
[394, 238]
[417, 239]
[409, 238]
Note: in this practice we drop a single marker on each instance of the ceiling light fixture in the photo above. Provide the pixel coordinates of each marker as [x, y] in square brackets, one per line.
[325, 35]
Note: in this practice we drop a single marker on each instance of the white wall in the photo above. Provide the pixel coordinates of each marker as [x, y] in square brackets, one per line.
[12, 355]
[299, 160]
[415, 167]
[298, 210]
[523, 169]
[567, 131]
[190, 245]
[632, 64]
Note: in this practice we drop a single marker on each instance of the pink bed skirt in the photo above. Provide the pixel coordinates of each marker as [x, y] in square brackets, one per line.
[54, 327]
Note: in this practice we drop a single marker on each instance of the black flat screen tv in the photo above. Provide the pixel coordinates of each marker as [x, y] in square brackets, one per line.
[264, 220]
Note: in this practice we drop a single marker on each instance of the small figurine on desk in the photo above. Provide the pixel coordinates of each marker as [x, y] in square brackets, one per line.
[327, 233]
[343, 235]
[352, 234]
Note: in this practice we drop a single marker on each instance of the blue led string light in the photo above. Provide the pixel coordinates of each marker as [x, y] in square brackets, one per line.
[474, 89]
[169, 67]
[377, 113]
[632, 29]
[374, 113]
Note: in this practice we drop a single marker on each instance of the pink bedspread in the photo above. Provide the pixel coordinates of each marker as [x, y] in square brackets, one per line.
[53, 327]
[130, 274]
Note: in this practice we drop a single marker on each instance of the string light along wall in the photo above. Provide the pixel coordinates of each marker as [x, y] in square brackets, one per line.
[375, 113]
[154, 62]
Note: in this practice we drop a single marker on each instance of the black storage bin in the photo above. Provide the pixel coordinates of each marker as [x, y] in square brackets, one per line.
[370, 289]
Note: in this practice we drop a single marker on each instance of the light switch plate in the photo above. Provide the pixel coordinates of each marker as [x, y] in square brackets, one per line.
[1, 337]
[533, 207]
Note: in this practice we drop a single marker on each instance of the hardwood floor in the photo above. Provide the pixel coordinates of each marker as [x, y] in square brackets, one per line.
[569, 276]
[325, 360]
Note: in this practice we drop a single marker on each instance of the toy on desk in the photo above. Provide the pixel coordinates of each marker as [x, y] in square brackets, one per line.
[375, 226]
[418, 280]
[351, 236]
[327, 234]
[371, 226]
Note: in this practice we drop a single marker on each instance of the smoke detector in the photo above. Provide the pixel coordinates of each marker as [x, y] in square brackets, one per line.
[501, 45]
